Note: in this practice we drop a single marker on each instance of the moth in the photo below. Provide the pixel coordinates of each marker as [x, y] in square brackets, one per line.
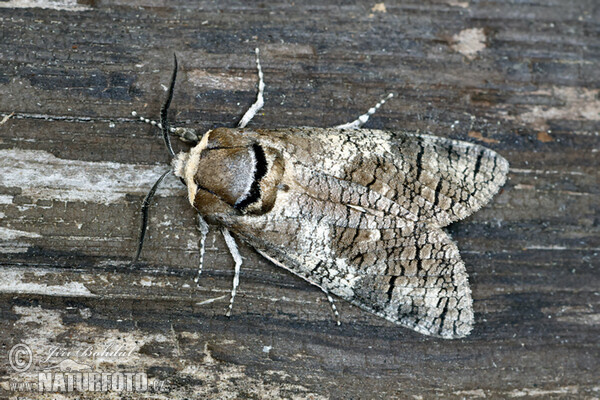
[357, 212]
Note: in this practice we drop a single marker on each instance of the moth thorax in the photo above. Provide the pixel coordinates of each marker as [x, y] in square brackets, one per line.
[229, 173]
[231, 179]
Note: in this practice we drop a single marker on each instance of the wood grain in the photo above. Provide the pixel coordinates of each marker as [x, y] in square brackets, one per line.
[519, 77]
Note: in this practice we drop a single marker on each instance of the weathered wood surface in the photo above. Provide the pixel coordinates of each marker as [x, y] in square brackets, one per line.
[521, 77]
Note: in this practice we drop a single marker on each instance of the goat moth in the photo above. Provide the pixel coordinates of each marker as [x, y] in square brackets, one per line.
[357, 212]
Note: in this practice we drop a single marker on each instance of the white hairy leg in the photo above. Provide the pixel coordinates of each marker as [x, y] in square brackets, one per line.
[187, 135]
[329, 298]
[254, 108]
[233, 249]
[203, 229]
[360, 121]
[333, 307]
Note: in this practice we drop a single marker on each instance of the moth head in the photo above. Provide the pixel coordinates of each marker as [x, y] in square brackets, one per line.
[230, 172]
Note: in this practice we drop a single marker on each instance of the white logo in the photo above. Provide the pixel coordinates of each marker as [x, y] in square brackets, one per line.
[20, 357]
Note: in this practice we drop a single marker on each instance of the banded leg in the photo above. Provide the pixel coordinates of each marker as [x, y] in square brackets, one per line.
[254, 108]
[333, 307]
[187, 135]
[280, 264]
[360, 121]
[233, 249]
[203, 229]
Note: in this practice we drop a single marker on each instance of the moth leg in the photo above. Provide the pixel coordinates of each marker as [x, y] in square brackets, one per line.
[329, 298]
[360, 121]
[333, 307]
[187, 135]
[203, 229]
[233, 249]
[254, 108]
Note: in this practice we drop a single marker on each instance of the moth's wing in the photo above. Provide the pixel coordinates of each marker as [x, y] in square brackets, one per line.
[445, 180]
[412, 276]
[434, 179]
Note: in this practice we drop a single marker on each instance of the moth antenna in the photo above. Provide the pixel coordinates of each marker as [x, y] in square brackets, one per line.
[165, 108]
[145, 206]
[254, 108]
[203, 229]
[233, 249]
[360, 121]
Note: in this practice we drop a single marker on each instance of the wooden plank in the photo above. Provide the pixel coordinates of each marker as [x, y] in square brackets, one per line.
[519, 77]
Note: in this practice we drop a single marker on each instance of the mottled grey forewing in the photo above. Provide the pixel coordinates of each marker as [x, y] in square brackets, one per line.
[444, 180]
[435, 179]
